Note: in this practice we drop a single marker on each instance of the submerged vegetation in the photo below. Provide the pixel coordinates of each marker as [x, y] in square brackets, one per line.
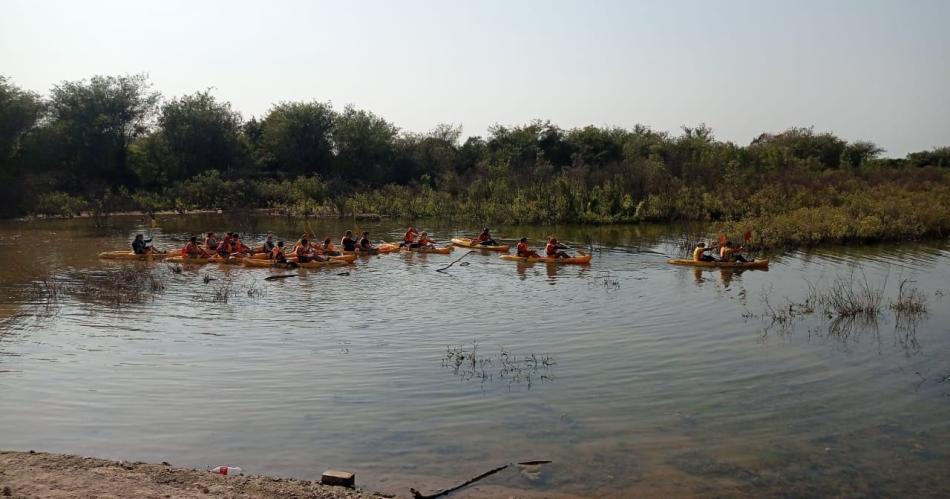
[849, 304]
[505, 366]
[111, 144]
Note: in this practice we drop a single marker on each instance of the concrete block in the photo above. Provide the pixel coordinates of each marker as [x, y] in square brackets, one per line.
[340, 478]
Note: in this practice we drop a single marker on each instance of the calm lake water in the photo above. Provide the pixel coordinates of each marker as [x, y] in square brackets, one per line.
[634, 377]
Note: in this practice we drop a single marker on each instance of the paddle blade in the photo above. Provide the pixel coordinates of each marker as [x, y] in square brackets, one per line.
[747, 237]
[722, 239]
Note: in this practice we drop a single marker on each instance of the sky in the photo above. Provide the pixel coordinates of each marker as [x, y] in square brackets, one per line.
[863, 69]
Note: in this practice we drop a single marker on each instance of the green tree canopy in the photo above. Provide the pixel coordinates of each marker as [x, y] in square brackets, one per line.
[296, 138]
[94, 122]
[364, 146]
[198, 133]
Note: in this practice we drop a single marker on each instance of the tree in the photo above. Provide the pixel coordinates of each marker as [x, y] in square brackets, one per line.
[198, 133]
[95, 121]
[19, 113]
[296, 138]
[859, 153]
[597, 146]
[365, 146]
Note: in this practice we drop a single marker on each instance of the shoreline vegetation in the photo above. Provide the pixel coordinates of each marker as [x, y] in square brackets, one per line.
[110, 144]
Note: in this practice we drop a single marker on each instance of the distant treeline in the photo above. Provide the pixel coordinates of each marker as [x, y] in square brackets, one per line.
[111, 144]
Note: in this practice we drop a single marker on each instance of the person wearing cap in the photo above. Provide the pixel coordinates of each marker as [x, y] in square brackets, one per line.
[211, 242]
[698, 255]
[192, 250]
[485, 238]
[524, 251]
[140, 245]
[348, 243]
[551, 249]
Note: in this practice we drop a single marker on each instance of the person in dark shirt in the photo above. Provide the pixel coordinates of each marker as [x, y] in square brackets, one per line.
[140, 245]
[348, 243]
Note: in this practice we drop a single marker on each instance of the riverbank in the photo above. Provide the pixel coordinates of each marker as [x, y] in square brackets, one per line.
[44, 475]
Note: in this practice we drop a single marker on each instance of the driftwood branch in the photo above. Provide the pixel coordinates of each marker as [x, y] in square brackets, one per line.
[453, 263]
[419, 495]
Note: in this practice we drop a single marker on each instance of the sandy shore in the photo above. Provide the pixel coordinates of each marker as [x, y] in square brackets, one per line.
[43, 475]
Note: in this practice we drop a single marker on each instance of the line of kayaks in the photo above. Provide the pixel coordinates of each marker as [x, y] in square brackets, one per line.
[261, 259]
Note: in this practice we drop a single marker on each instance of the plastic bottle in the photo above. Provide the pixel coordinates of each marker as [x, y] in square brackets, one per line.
[227, 470]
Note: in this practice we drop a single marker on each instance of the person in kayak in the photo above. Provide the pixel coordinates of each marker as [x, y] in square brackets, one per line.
[424, 241]
[485, 239]
[277, 253]
[348, 243]
[698, 253]
[268, 245]
[304, 252]
[365, 244]
[553, 247]
[140, 246]
[329, 249]
[524, 251]
[731, 254]
[409, 238]
[225, 248]
[211, 241]
[192, 250]
[239, 246]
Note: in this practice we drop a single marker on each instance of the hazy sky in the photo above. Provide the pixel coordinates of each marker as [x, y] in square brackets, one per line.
[864, 69]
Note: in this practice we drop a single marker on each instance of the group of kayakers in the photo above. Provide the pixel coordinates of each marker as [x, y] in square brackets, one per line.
[553, 249]
[728, 252]
[414, 239]
[307, 249]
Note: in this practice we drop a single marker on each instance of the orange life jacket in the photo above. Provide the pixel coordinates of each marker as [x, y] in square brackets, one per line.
[190, 249]
[274, 252]
[328, 247]
[522, 248]
[550, 249]
[409, 237]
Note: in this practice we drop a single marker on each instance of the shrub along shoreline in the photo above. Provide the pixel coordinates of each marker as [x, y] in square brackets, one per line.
[110, 144]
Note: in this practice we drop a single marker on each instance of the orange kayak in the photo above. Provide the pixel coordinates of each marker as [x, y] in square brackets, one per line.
[577, 260]
[758, 264]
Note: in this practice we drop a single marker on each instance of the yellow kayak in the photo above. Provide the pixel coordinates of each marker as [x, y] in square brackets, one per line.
[578, 260]
[129, 255]
[444, 250]
[315, 264]
[255, 262]
[758, 264]
[468, 243]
